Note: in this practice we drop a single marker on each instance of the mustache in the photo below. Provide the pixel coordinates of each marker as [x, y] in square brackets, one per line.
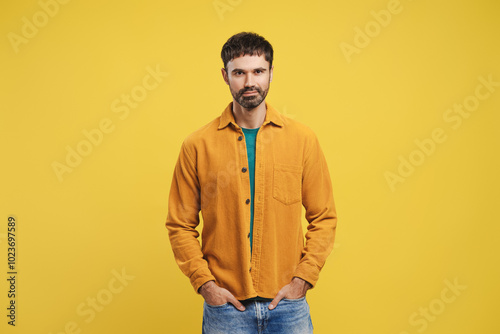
[251, 89]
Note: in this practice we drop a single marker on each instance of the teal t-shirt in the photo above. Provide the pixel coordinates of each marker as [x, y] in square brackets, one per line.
[250, 139]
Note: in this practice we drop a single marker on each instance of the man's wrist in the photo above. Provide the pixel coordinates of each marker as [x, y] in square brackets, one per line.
[306, 283]
[205, 285]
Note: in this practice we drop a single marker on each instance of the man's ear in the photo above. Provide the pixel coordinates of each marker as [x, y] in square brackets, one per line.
[224, 75]
[271, 74]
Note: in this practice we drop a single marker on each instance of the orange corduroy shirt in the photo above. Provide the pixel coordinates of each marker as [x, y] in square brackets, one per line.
[211, 176]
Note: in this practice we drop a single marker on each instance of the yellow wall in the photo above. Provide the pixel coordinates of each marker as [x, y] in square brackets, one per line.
[397, 92]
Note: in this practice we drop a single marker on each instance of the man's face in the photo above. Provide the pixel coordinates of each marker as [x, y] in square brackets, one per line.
[248, 78]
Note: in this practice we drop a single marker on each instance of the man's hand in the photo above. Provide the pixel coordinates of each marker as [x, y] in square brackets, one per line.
[296, 289]
[215, 295]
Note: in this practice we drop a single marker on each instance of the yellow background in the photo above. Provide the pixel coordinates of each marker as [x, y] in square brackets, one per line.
[395, 248]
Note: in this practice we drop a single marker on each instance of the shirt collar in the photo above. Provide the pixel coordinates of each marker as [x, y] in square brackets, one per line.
[272, 116]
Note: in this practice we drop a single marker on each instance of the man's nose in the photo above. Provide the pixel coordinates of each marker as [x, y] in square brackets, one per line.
[249, 81]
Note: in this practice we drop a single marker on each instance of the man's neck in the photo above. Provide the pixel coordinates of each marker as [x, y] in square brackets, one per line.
[249, 118]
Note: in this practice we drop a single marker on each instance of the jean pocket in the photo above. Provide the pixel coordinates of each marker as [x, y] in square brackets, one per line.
[217, 306]
[295, 300]
[287, 183]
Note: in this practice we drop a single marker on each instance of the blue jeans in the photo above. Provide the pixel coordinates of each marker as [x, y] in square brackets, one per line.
[291, 316]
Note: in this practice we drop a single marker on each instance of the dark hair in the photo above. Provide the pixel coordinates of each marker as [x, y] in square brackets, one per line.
[246, 43]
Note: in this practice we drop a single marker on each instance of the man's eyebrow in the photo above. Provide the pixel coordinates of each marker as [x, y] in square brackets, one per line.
[242, 70]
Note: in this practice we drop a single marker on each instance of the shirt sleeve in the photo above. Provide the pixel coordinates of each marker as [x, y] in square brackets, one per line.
[183, 218]
[317, 198]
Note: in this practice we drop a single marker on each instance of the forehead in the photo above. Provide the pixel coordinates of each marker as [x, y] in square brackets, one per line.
[248, 62]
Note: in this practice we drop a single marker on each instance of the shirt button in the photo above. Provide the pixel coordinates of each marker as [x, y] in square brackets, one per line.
[247, 201]
[250, 270]
[240, 138]
[244, 169]
[248, 236]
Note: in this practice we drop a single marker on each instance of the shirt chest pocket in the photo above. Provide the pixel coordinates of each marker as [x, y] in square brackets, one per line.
[287, 183]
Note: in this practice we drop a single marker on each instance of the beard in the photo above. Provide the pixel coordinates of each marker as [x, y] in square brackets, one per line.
[252, 101]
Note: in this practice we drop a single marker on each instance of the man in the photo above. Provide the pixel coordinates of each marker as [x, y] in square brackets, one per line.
[249, 171]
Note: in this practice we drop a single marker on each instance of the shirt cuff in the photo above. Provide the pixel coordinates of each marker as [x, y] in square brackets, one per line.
[200, 277]
[308, 274]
